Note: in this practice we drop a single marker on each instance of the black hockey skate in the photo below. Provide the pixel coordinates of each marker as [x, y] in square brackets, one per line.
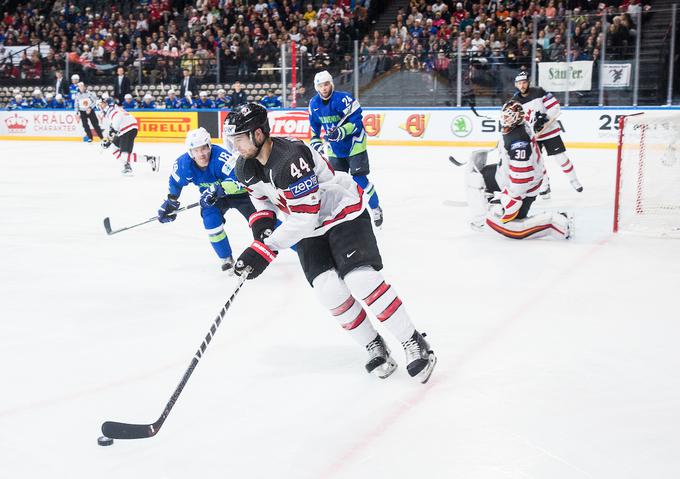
[420, 359]
[377, 213]
[379, 360]
[127, 169]
[228, 265]
[545, 194]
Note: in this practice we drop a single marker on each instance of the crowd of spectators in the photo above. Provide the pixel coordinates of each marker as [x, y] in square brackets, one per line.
[155, 40]
[427, 35]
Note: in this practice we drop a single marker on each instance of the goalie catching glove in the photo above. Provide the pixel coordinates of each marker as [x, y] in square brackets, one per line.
[254, 260]
[511, 206]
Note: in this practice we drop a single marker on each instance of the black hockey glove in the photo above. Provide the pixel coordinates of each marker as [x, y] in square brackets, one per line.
[539, 121]
[105, 143]
[167, 211]
[262, 223]
[212, 194]
[254, 260]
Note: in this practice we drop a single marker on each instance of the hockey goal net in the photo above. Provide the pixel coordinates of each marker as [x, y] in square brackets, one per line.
[648, 174]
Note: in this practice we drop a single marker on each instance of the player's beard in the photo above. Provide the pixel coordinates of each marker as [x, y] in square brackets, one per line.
[258, 148]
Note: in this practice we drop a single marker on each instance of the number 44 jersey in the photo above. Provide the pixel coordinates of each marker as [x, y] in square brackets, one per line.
[300, 184]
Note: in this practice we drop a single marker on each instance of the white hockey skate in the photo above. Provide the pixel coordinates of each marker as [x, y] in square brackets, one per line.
[420, 359]
[379, 361]
[571, 225]
[153, 161]
[576, 184]
[377, 213]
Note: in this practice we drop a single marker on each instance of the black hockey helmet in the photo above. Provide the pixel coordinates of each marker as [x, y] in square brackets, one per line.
[245, 119]
[522, 76]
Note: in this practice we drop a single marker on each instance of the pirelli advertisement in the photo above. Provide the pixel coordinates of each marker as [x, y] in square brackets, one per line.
[165, 125]
[451, 127]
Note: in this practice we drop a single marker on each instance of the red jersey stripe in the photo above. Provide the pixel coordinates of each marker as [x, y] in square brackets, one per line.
[523, 169]
[521, 180]
[311, 209]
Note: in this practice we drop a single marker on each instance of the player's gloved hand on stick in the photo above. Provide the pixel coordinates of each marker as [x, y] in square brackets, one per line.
[317, 144]
[254, 260]
[211, 194]
[262, 224]
[167, 211]
[336, 134]
[539, 121]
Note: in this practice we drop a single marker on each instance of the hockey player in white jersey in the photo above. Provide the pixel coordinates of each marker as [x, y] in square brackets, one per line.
[542, 110]
[121, 130]
[500, 195]
[323, 212]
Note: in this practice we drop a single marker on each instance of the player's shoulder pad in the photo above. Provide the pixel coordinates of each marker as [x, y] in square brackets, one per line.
[295, 161]
[246, 171]
[517, 139]
[182, 167]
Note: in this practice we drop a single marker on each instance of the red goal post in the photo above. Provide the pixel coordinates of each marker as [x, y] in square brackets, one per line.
[647, 191]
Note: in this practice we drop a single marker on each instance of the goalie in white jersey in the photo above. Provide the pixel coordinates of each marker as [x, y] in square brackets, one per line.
[542, 109]
[500, 195]
[121, 130]
[324, 213]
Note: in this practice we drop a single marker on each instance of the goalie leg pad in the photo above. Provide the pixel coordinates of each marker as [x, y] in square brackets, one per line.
[554, 225]
[478, 204]
[334, 294]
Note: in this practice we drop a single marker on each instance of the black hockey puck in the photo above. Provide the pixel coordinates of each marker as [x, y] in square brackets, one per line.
[104, 441]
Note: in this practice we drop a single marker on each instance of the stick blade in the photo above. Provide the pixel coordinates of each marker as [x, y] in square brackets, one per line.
[121, 430]
[452, 160]
[107, 227]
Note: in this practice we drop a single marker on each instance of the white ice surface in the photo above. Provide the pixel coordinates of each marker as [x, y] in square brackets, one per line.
[557, 360]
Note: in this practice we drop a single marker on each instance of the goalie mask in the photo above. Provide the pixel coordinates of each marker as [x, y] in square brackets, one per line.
[246, 119]
[512, 115]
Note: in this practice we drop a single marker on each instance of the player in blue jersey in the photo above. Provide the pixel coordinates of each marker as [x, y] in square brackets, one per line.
[129, 103]
[203, 101]
[340, 116]
[171, 101]
[270, 101]
[211, 168]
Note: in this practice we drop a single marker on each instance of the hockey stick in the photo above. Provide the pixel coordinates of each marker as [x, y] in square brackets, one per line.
[122, 430]
[456, 162]
[109, 231]
[471, 100]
